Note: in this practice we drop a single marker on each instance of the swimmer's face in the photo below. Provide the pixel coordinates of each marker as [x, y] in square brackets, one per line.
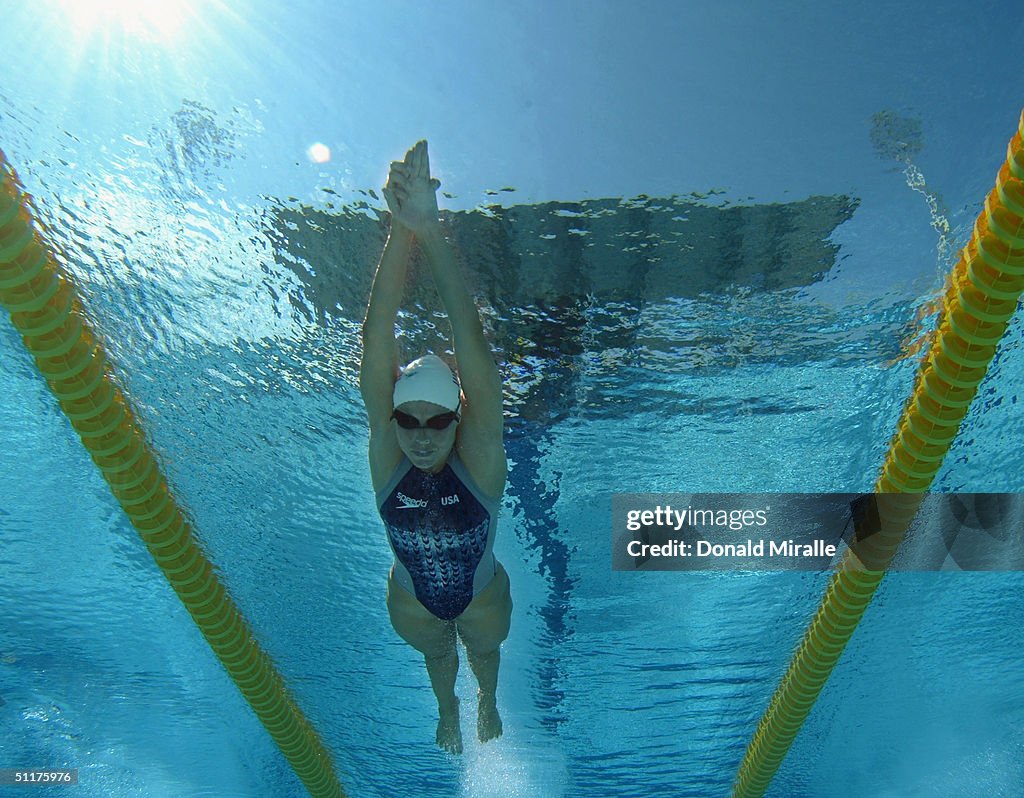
[427, 448]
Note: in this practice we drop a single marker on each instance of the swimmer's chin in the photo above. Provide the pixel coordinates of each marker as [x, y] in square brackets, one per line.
[430, 461]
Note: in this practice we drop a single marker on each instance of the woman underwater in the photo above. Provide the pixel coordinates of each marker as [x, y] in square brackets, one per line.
[437, 463]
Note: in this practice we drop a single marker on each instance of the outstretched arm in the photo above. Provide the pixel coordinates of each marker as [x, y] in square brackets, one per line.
[480, 432]
[478, 373]
[380, 349]
[379, 365]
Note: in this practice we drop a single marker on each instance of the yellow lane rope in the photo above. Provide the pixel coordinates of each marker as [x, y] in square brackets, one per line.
[982, 296]
[45, 309]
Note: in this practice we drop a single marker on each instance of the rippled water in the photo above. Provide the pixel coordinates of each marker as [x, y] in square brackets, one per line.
[692, 342]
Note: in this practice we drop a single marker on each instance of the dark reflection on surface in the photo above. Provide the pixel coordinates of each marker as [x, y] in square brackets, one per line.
[531, 258]
[599, 285]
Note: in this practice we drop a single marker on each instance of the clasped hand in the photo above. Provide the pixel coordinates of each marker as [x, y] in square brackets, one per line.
[410, 191]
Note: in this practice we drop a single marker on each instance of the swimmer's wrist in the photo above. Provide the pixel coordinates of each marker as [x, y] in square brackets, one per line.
[399, 232]
[431, 233]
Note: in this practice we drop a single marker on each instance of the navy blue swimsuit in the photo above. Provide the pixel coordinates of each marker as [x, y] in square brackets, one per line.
[441, 529]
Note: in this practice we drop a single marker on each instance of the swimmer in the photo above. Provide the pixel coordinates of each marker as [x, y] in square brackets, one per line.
[437, 462]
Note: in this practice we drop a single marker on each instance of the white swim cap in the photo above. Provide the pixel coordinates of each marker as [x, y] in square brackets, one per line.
[427, 379]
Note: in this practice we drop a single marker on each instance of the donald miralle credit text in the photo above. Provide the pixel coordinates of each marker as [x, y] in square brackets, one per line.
[714, 531]
[808, 531]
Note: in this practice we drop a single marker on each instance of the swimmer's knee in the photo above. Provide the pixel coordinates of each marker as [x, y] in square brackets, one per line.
[490, 649]
[442, 657]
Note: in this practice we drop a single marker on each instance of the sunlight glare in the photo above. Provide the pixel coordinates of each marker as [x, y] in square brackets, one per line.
[319, 153]
[156, 19]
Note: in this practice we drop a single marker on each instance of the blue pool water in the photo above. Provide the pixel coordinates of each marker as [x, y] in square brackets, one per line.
[712, 272]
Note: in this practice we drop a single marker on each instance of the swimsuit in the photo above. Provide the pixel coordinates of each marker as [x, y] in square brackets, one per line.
[441, 529]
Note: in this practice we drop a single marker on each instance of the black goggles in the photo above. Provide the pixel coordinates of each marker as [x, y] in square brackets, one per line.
[438, 422]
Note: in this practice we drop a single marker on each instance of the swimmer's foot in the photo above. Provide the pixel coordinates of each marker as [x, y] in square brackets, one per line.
[449, 731]
[488, 721]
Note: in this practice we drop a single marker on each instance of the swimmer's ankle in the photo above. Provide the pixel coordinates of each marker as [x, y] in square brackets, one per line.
[486, 698]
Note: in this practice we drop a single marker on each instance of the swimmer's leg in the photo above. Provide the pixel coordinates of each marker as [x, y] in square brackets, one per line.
[435, 639]
[483, 626]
